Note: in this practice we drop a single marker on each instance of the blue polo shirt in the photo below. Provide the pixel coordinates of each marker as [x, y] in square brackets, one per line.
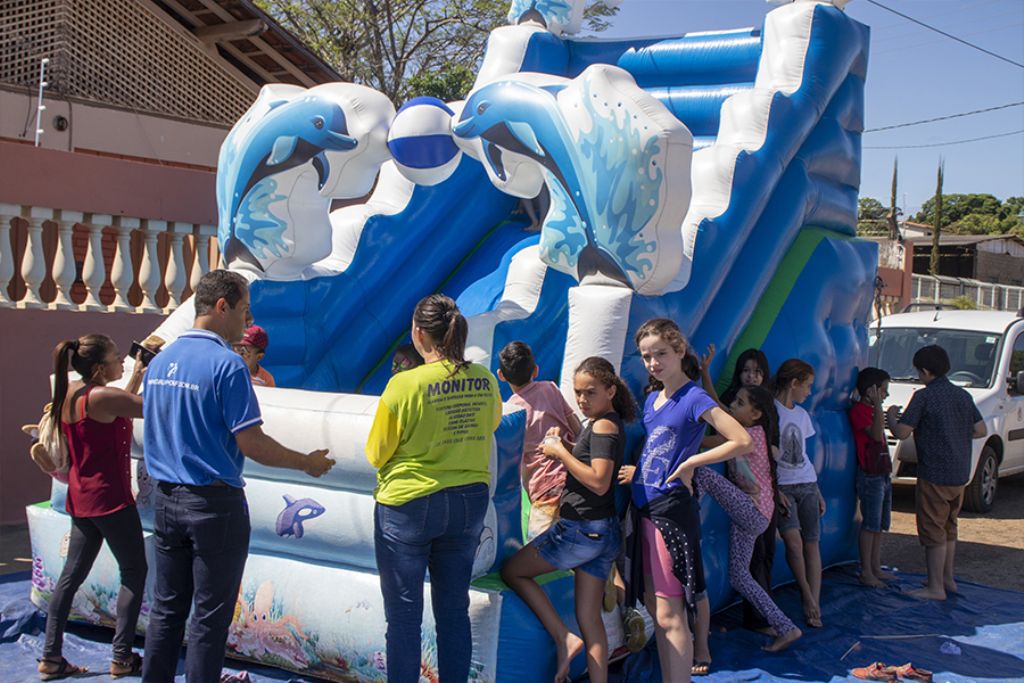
[198, 395]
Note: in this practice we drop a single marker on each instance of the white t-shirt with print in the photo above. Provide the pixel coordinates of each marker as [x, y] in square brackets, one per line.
[794, 467]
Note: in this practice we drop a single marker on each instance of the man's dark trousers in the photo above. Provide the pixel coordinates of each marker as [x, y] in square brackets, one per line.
[202, 541]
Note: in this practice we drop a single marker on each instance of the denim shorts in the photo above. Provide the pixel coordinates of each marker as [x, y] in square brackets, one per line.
[803, 510]
[875, 494]
[587, 545]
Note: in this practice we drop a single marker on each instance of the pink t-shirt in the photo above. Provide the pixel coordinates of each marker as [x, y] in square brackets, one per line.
[545, 407]
[752, 473]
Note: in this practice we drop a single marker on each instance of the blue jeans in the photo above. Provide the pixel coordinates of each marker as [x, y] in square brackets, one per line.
[440, 531]
[875, 493]
[202, 542]
[585, 545]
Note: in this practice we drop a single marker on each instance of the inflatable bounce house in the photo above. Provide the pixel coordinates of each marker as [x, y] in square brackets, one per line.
[582, 187]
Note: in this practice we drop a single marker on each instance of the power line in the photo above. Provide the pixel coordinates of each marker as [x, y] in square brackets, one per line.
[952, 142]
[944, 118]
[948, 35]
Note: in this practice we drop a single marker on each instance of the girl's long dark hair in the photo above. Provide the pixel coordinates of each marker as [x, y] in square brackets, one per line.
[440, 318]
[667, 331]
[763, 400]
[756, 355]
[84, 355]
[604, 372]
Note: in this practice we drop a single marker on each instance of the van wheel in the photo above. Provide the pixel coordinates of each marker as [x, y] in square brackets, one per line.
[981, 492]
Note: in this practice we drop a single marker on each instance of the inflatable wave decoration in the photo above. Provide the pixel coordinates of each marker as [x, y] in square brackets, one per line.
[296, 143]
[753, 246]
[605, 152]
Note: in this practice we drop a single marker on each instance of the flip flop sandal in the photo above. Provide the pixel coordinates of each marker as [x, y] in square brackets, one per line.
[908, 671]
[875, 672]
[126, 667]
[64, 669]
[700, 669]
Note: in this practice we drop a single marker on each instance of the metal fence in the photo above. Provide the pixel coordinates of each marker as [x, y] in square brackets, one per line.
[986, 295]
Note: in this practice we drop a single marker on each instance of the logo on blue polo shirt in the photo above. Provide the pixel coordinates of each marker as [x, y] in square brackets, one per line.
[171, 369]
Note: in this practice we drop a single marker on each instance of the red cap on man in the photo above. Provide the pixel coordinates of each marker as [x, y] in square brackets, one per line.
[256, 337]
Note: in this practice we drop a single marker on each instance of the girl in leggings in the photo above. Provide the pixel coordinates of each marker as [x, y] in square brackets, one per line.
[96, 424]
[749, 503]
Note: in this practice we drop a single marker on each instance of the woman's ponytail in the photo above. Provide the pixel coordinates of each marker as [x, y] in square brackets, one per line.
[440, 318]
[61, 366]
[83, 355]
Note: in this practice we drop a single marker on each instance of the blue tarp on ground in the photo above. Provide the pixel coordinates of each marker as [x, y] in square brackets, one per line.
[975, 636]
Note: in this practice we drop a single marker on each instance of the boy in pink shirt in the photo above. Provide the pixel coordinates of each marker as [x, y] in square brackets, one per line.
[543, 477]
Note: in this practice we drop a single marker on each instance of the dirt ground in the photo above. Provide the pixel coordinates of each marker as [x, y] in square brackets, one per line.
[991, 546]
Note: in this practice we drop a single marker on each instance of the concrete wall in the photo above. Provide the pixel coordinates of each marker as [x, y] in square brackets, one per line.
[108, 131]
[1001, 268]
[27, 339]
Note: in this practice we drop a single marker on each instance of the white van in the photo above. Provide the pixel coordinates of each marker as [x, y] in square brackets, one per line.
[986, 352]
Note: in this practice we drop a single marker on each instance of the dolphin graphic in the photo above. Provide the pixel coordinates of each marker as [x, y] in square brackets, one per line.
[522, 118]
[289, 520]
[291, 134]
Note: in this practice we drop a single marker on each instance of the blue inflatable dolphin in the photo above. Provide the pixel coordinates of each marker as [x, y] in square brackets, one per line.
[522, 118]
[291, 134]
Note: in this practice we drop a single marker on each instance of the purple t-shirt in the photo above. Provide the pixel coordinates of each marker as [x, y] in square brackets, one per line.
[674, 433]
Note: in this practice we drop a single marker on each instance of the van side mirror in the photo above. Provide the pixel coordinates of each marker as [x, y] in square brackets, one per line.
[1016, 383]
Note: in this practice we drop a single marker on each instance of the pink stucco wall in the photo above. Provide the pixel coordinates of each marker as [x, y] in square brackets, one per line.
[27, 339]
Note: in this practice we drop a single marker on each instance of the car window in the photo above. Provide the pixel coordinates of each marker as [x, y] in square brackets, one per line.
[1017, 355]
[972, 355]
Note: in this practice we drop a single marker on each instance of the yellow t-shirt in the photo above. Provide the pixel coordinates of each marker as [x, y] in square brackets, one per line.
[433, 431]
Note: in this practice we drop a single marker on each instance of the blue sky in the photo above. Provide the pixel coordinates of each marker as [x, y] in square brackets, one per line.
[913, 74]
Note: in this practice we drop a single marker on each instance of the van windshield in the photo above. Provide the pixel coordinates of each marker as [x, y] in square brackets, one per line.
[972, 355]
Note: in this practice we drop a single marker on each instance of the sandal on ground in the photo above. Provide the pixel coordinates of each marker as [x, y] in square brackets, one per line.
[875, 672]
[132, 666]
[635, 629]
[910, 673]
[700, 669]
[51, 670]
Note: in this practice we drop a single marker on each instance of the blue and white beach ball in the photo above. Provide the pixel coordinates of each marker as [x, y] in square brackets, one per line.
[421, 141]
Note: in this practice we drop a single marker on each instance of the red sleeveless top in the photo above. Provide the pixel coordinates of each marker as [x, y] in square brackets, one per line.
[99, 454]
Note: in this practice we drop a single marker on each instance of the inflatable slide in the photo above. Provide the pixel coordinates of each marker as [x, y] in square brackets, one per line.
[581, 188]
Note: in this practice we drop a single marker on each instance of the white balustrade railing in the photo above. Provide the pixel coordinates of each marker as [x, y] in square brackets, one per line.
[168, 268]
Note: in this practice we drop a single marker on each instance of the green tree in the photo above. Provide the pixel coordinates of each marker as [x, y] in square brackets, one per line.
[871, 217]
[399, 46]
[933, 267]
[956, 206]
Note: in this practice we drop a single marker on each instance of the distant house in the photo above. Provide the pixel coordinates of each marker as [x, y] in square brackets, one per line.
[109, 222]
[988, 258]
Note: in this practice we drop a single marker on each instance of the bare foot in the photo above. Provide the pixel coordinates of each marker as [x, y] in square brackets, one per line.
[567, 650]
[928, 594]
[950, 587]
[766, 630]
[783, 641]
[871, 581]
[812, 614]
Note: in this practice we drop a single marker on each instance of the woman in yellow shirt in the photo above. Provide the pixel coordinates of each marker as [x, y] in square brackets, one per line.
[431, 443]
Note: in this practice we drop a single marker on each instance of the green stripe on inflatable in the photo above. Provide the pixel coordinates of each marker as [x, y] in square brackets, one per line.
[42, 504]
[774, 297]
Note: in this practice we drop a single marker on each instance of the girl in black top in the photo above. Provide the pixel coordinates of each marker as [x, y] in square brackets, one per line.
[586, 538]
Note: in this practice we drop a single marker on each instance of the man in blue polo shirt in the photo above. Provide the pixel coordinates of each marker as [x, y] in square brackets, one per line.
[201, 421]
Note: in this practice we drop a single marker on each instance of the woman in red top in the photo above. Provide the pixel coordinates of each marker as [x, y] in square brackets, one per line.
[97, 427]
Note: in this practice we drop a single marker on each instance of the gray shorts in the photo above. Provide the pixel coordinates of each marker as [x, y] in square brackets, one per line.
[803, 511]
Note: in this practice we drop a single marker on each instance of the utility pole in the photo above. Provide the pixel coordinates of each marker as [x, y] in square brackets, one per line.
[937, 229]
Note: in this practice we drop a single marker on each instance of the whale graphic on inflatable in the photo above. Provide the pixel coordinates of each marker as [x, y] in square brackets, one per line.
[295, 513]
